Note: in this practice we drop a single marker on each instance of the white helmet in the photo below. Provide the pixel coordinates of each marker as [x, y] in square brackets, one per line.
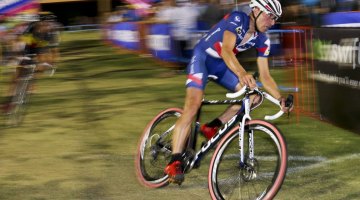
[268, 6]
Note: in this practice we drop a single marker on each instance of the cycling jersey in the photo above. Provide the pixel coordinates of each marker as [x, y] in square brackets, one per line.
[207, 61]
[35, 41]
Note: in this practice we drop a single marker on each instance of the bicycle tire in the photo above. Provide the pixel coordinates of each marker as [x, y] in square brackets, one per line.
[20, 100]
[152, 157]
[227, 180]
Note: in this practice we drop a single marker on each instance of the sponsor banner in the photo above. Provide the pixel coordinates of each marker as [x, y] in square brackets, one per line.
[8, 6]
[31, 8]
[342, 19]
[337, 74]
[161, 44]
[275, 45]
[15, 12]
[126, 34]
[159, 41]
[275, 36]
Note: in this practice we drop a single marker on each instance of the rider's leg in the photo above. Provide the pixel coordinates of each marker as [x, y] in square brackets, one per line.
[230, 81]
[181, 132]
[182, 128]
[229, 112]
[211, 128]
[195, 83]
[233, 109]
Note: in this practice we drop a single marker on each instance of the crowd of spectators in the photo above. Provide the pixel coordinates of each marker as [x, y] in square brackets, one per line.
[184, 17]
[205, 13]
[187, 16]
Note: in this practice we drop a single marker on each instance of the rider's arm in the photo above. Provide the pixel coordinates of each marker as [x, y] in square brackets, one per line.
[268, 82]
[227, 54]
[266, 78]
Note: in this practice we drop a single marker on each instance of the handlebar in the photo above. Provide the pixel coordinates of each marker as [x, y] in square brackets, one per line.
[288, 102]
[237, 94]
[244, 89]
[276, 102]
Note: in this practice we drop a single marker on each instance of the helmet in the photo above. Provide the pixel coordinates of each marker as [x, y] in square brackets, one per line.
[27, 17]
[47, 16]
[268, 6]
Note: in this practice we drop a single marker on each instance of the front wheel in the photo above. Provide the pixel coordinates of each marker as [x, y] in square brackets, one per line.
[260, 176]
[16, 113]
[154, 150]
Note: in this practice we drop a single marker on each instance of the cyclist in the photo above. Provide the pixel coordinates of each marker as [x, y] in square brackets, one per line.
[42, 38]
[215, 55]
[52, 35]
[35, 40]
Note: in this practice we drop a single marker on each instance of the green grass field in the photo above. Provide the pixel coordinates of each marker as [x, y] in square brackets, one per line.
[80, 135]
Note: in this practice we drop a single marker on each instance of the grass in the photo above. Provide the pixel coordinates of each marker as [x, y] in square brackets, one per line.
[79, 137]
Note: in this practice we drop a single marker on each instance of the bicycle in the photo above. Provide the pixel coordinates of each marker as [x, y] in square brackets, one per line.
[15, 114]
[254, 169]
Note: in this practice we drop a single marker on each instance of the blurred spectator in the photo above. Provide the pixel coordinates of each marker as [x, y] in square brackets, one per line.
[116, 16]
[165, 10]
[211, 15]
[130, 14]
[200, 6]
[227, 6]
[243, 6]
[183, 21]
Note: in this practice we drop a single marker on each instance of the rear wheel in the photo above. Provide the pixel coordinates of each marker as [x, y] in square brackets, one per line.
[259, 177]
[154, 150]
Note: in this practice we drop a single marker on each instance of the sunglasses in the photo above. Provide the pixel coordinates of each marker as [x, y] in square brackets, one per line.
[272, 16]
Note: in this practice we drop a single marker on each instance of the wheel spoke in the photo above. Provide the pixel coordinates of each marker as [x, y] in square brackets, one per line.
[155, 151]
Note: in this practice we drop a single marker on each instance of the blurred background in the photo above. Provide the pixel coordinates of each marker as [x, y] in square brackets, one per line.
[318, 39]
[116, 63]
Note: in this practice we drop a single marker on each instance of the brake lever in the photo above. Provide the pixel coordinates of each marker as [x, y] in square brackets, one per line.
[288, 103]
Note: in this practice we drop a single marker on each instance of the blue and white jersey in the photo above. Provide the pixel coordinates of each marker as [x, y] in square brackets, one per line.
[237, 23]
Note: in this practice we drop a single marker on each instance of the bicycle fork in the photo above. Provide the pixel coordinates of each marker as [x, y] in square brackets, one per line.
[246, 117]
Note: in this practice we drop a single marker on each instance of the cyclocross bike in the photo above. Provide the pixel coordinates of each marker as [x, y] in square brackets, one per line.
[250, 158]
[22, 90]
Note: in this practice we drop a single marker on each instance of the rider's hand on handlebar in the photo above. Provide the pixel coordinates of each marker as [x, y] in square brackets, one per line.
[287, 104]
[248, 80]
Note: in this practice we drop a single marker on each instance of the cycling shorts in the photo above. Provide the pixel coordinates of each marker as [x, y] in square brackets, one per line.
[203, 66]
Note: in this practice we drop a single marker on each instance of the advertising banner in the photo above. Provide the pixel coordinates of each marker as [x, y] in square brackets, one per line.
[13, 7]
[126, 34]
[159, 41]
[337, 75]
[342, 19]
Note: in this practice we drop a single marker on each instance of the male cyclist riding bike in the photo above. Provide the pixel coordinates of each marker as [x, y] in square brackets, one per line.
[215, 55]
[35, 42]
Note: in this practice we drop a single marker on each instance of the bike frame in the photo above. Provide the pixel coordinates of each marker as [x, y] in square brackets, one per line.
[241, 117]
[24, 82]
[26, 73]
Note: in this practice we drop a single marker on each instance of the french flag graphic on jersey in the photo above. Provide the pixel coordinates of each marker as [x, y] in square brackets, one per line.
[195, 79]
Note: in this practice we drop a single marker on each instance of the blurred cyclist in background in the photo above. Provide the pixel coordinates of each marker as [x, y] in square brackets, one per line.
[214, 55]
[36, 44]
[42, 38]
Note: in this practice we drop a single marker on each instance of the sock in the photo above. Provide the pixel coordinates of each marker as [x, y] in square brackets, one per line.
[175, 157]
[215, 123]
